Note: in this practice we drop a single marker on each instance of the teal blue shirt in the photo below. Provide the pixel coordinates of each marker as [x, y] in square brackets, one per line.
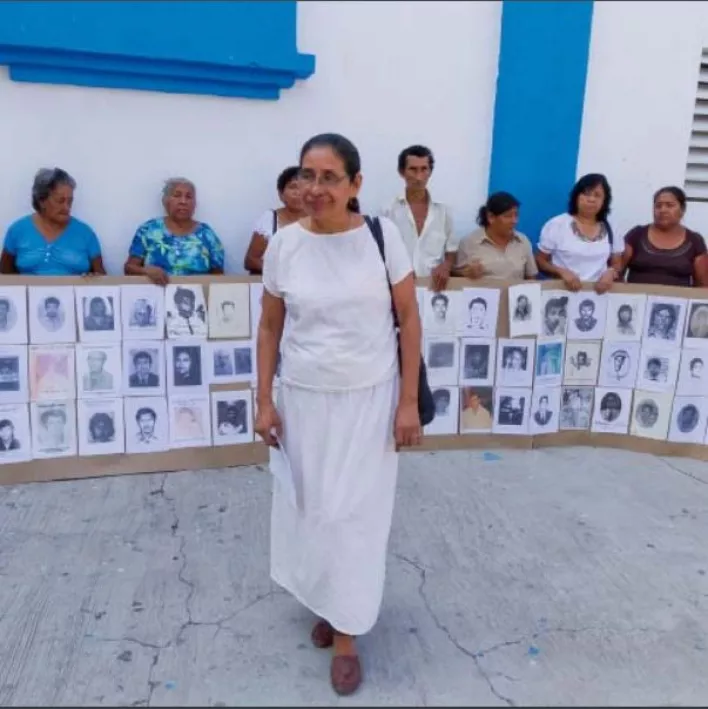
[69, 255]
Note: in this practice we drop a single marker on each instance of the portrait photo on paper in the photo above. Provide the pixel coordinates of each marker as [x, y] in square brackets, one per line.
[524, 309]
[185, 312]
[515, 362]
[588, 311]
[51, 315]
[185, 366]
[98, 313]
[229, 310]
[511, 407]
[697, 325]
[625, 317]
[688, 419]
[232, 417]
[664, 320]
[476, 409]
[146, 424]
[651, 414]
[658, 368]
[98, 371]
[693, 373]
[190, 423]
[582, 362]
[545, 408]
[613, 408]
[550, 354]
[53, 429]
[232, 361]
[143, 311]
[479, 312]
[446, 412]
[13, 315]
[100, 426]
[442, 360]
[554, 313]
[143, 368]
[14, 375]
[15, 441]
[477, 361]
[52, 372]
[618, 364]
[576, 408]
[440, 312]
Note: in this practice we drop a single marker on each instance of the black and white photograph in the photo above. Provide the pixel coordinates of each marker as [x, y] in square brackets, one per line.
[693, 373]
[525, 309]
[256, 296]
[229, 310]
[587, 312]
[625, 316]
[613, 408]
[651, 414]
[554, 313]
[185, 312]
[52, 372]
[143, 311]
[658, 368]
[53, 429]
[688, 419]
[618, 365]
[146, 424]
[515, 362]
[190, 422]
[511, 407]
[550, 354]
[476, 409]
[98, 313]
[478, 312]
[15, 440]
[576, 408]
[232, 362]
[51, 315]
[545, 409]
[13, 315]
[582, 362]
[185, 366]
[441, 359]
[440, 312]
[100, 427]
[14, 374]
[232, 417]
[477, 361]
[144, 368]
[98, 371]
[664, 321]
[447, 406]
[697, 325]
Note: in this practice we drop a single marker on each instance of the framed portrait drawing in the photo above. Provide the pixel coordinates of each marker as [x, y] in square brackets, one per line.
[52, 372]
[478, 312]
[664, 321]
[13, 315]
[554, 313]
[618, 364]
[625, 317]
[98, 313]
[447, 407]
[587, 316]
[147, 427]
[53, 429]
[442, 360]
[229, 310]
[511, 407]
[100, 426]
[696, 336]
[477, 361]
[98, 371]
[190, 425]
[651, 414]
[613, 408]
[515, 362]
[232, 417]
[15, 440]
[186, 315]
[550, 354]
[582, 362]
[232, 362]
[545, 409]
[693, 373]
[143, 311]
[688, 419]
[476, 409]
[186, 368]
[144, 368]
[13, 374]
[51, 315]
[525, 309]
[440, 312]
[658, 369]
[576, 408]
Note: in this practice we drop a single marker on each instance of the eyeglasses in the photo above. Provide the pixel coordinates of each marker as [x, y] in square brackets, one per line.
[327, 179]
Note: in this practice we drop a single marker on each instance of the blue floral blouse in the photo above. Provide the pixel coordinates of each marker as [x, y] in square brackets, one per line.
[194, 254]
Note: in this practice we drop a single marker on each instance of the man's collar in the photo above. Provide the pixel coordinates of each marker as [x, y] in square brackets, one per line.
[401, 199]
[485, 237]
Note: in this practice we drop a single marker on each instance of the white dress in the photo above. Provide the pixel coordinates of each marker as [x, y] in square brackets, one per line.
[337, 400]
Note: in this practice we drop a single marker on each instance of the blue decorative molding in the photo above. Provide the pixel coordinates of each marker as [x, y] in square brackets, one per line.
[237, 49]
[538, 110]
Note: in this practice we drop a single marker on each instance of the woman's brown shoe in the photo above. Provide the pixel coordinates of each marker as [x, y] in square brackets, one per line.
[345, 674]
[322, 634]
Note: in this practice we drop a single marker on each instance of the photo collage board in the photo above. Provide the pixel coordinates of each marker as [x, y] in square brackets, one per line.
[626, 363]
[113, 370]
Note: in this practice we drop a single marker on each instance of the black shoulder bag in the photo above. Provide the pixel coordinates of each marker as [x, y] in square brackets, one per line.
[426, 403]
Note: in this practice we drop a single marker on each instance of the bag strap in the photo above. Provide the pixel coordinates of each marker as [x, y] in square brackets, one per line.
[610, 235]
[275, 221]
[377, 232]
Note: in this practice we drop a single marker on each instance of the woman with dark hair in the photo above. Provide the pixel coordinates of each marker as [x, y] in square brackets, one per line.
[665, 252]
[51, 242]
[496, 249]
[345, 405]
[273, 219]
[579, 246]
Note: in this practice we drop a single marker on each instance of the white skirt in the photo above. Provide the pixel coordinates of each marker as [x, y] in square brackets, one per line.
[329, 549]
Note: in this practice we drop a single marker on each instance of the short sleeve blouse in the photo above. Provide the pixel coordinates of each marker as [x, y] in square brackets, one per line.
[267, 224]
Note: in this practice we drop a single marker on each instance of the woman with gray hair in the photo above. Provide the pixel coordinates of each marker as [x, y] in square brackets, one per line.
[51, 242]
[176, 244]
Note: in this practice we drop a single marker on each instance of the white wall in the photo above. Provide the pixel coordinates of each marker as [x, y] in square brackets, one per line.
[640, 95]
[388, 74]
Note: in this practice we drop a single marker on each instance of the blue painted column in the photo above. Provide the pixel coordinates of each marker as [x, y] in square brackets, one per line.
[538, 112]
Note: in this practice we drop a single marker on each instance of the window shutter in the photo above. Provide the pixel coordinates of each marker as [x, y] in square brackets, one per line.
[696, 184]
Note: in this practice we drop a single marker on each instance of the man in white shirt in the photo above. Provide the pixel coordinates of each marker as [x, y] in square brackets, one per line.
[425, 225]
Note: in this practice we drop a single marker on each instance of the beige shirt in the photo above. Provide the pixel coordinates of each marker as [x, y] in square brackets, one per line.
[476, 420]
[515, 262]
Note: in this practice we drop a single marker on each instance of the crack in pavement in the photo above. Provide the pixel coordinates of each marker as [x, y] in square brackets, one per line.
[683, 472]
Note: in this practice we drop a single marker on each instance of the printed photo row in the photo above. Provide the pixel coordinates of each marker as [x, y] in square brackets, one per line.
[96, 314]
[625, 317]
[545, 410]
[58, 429]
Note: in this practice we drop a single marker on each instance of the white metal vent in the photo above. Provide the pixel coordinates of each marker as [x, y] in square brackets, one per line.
[696, 184]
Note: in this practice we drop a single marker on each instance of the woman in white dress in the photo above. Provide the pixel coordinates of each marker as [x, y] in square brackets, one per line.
[579, 246]
[344, 407]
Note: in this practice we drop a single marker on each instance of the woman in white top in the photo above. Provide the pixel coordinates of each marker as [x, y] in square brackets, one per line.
[579, 246]
[273, 219]
[344, 407]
